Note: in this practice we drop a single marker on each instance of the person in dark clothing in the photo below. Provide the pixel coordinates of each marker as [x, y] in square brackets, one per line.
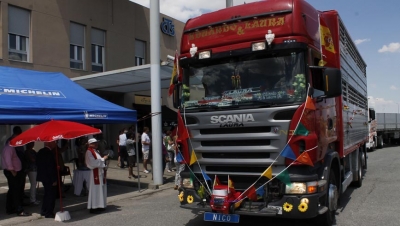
[47, 174]
[13, 171]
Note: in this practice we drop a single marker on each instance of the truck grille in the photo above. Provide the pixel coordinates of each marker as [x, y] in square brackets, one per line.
[229, 143]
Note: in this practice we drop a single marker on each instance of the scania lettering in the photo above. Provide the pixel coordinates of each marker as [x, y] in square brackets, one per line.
[267, 108]
[232, 118]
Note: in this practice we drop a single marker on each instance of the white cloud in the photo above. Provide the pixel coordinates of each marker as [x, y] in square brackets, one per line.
[392, 47]
[359, 41]
[393, 87]
[183, 9]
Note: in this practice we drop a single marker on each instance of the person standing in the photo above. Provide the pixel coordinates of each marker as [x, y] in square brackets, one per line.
[47, 174]
[130, 146]
[30, 155]
[145, 148]
[180, 166]
[21, 155]
[13, 172]
[122, 148]
[169, 145]
[97, 200]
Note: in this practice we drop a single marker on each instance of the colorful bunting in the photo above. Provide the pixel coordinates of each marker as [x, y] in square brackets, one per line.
[305, 159]
[206, 177]
[268, 173]
[288, 153]
[310, 104]
[301, 130]
[284, 177]
[193, 158]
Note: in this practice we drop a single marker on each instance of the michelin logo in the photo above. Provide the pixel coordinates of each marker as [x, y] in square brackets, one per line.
[31, 92]
[94, 116]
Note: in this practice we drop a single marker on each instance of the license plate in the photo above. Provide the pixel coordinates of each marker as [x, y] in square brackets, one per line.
[219, 217]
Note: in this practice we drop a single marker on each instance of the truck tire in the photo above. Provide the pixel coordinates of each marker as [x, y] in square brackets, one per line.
[380, 142]
[331, 201]
[358, 182]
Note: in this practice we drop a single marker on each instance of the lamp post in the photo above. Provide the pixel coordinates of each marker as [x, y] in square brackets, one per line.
[397, 107]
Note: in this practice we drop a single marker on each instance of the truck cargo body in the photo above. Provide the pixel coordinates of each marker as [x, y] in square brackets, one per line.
[388, 127]
[247, 105]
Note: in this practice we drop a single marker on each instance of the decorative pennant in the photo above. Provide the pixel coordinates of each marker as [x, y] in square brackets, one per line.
[268, 173]
[251, 193]
[301, 130]
[284, 177]
[260, 192]
[201, 192]
[193, 158]
[305, 158]
[288, 153]
[310, 104]
[206, 177]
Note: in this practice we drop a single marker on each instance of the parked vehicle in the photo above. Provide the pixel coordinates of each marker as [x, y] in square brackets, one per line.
[275, 87]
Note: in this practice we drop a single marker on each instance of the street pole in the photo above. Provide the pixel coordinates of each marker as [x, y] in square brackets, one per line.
[156, 140]
[229, 3]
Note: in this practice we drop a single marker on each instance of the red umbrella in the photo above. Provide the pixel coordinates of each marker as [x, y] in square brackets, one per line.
[54, 130]
[51, 131]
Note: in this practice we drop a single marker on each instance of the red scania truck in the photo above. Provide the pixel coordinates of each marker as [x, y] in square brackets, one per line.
[259, 84]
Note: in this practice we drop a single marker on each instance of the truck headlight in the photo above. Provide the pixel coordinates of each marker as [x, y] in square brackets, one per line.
[258, 46]
[302, 188]
[187, 183]
[296, 188]
[205, 55]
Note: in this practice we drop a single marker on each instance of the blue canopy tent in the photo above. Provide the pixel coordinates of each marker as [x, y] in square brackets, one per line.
[33, 97]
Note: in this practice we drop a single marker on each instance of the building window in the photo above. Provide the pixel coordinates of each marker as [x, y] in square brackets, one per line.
[98, 55]
[77, 46]
[18, 33]
[140, 50]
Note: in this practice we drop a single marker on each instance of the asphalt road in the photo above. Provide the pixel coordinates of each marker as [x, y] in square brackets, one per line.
[375, 203]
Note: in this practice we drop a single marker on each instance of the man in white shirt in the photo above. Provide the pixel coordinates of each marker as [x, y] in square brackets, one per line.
[145, 148]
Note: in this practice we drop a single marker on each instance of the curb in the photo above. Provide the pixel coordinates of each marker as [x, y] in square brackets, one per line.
[110, 200]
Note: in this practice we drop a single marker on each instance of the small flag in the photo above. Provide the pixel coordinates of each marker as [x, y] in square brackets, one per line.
[301, 130]
[288, 153]
[310, 104]
[268, 173]
[216, 181]
[193, 158]
[206, 177]
[284, 177]
[305, 159]
[175, 72]
[230, 183]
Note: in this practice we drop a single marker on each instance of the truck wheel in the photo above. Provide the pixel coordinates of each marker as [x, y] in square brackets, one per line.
[331, 201]
[365, 159]
[358, 182]
[380, 142]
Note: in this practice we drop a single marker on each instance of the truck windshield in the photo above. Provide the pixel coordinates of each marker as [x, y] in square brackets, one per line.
[267, 80]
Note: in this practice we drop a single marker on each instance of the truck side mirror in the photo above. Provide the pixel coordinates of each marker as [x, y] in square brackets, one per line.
[327, 80]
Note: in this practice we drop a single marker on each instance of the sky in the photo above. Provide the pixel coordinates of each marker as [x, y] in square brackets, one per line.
[373, 25]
